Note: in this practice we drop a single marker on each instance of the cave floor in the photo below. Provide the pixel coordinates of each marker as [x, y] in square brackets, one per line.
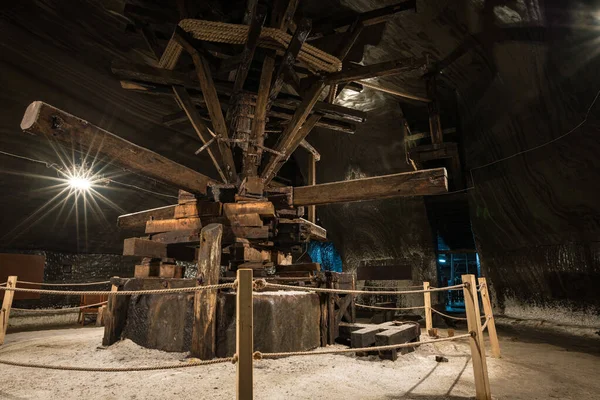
[527, 370]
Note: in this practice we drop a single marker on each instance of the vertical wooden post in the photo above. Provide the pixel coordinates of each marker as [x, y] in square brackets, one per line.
[435, 126]
[482, 382]
[115, 316]
[312, 180]
[487, 309]
[6, 305]
[427, 303]
[244, 334]
[204, 341]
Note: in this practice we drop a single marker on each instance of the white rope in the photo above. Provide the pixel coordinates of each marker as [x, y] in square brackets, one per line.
[346, 291]
[63, 284]
[124, 292]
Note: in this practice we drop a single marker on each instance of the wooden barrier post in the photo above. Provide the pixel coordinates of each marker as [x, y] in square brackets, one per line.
[427, 303]
[244, 334]
[487, 309]
[6, 305]
[482, 382]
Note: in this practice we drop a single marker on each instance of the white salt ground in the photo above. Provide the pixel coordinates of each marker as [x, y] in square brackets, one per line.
[526, 371]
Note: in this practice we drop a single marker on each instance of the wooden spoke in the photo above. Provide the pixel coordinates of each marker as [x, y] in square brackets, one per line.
[375, 70]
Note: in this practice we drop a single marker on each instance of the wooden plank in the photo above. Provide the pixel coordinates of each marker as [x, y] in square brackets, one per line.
[283, 14]
[250, 232]
[398, 335]
[170, 271]
[395, 92]
[316, 232]
[433, 107]
[476, 342]
[386, 68]
[11, 283]
[144, 248]
[246, 220]
[244, 334]
[188, 236]
[263, 208]
[198, 209]
[422, 135]
[45, 120]
[416, 183]
[312, 180]
[257, 19]
[491, 324]
[138, 219]
[212, 102]
[205, 302]
[384, 272]
[167, 225]
[145, 271]
[188, 106]
[115, 317]
[291, 137]
[427, 304]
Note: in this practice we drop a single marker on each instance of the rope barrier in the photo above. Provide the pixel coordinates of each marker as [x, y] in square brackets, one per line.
[258, 355]
[388, 308]
[391, 287]
[117, 369]
[448, 316]
[343, 291]
[64, 284]
[124, 292]
[58, 310]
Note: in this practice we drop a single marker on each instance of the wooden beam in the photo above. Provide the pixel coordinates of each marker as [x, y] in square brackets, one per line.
[417, 183]
[289, 57]
[489, 314]
[244, 334]
[212, 102]
[144, 248]
[137, 220]
[11, 283]
[394, 92]
[312, 180]
[257, 19]
[45, 120]
[188, 106]
[309, 147]
[293, 134]
[435, 124]
[386, 68]
[167, 225]
[204, 339]
[427, 304]
[283, 14]
[423, 135]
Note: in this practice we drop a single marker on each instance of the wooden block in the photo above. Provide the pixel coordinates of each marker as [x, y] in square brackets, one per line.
[197, 209]
[253, 185]
[171, 271]
[263, 208]
[364, 337]
[450, 332]
[188, 236]
[295, 274]
[299, 267]
[167, 225]
[144, 248]
[241, 252]
[145, 271]
[280, 258]
[185, 197]
[251, 232]
[100, 316]
[397, 335]
[255, 265]
[245, 220]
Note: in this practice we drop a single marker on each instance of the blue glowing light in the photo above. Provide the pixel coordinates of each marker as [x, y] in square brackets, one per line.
[441, 260]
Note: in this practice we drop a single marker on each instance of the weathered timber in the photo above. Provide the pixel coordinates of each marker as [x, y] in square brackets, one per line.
[312, 180]
[184, 197]
[386, 68]
[198, 208]
[252, 219]
[137, 220]
[166, 225]
[205, 302]
[434, 151]
[188, 106]
[43, 119]
[212, 102]
[433, 107]
[292, 135]
[283, 14]
[250, 232]
[416, 183]
[406, 333]
[257, 19]
[316, 232]
[405, 95]
[145, 271]
[422, 135]
[171, 271]
[115, 317]
[144, 248]
[263, 208]
[187, 236]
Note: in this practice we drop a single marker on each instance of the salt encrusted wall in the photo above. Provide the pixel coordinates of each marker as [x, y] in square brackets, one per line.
[69, 268]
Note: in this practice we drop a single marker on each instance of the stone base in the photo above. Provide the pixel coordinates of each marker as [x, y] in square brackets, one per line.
[283, 321]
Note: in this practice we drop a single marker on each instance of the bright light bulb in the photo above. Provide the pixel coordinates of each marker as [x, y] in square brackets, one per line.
[79, 183]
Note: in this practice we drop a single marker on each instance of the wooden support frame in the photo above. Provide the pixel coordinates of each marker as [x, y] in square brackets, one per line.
[312, 180]
[491, 324]
[476, 342]
[205, 135]
[416, 183]
[386, 68]
[293, 134]
[244, 334]
[435, 124]
[427, 304]
[11, 283]
[204, 339]
[45, 120]
[211, 99]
